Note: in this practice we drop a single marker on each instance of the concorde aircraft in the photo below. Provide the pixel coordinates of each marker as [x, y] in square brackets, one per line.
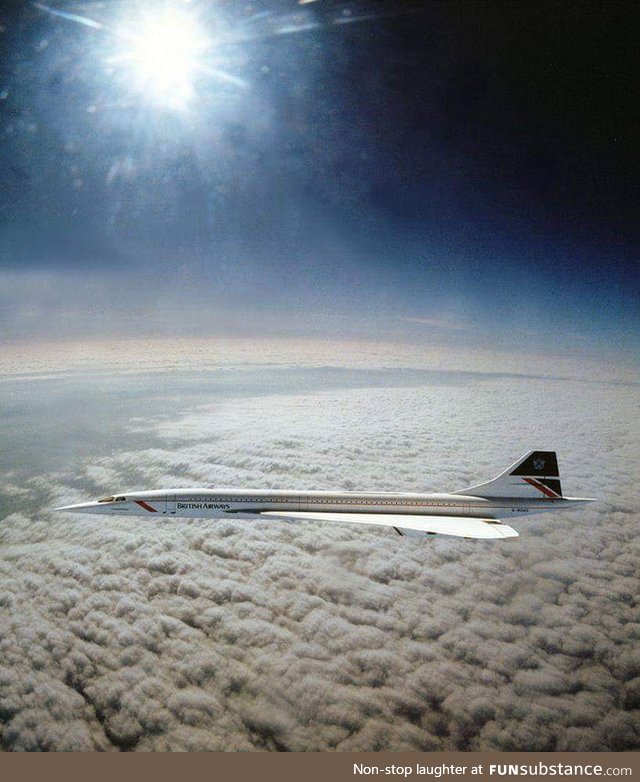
[530, 485]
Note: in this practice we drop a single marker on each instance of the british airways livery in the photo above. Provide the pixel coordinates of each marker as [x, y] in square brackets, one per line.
[531, 485]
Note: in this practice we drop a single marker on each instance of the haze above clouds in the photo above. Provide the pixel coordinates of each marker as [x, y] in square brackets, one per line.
[179, 355]
[218, 634]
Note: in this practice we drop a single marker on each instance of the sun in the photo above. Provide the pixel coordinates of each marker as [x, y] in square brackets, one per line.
[163, 53]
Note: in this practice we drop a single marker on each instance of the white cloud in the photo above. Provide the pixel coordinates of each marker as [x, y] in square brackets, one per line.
[221, 634]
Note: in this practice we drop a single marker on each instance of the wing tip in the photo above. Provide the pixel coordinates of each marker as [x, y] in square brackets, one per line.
[506, 531]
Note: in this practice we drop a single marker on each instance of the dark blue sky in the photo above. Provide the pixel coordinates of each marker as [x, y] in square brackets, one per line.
[470, 164]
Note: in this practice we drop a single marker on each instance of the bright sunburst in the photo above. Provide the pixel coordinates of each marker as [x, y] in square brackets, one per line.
[163, 53]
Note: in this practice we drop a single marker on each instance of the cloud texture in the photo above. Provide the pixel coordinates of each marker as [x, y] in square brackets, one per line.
[241, 635]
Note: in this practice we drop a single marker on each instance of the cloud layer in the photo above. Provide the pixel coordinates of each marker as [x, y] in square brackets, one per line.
[241, 635]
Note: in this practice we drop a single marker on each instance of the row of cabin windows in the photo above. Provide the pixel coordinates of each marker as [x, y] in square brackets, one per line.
[383, 502]
[316, 501]
[303, 498]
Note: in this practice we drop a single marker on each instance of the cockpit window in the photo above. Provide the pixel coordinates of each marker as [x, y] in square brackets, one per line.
[120, 499]
[107, 499]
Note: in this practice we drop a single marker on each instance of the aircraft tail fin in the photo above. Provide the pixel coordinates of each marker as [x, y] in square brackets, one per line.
[536, 474]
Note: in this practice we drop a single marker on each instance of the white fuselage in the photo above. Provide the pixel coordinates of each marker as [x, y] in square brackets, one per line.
[530, 485]
[207, 503]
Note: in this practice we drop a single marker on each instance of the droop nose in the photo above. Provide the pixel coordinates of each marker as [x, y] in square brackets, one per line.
[85, 507]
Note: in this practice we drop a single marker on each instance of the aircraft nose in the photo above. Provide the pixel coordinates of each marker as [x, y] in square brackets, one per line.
[82, 507]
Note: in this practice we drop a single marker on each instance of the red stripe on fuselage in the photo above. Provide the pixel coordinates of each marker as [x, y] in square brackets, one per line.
[541, 487]
[146, 506]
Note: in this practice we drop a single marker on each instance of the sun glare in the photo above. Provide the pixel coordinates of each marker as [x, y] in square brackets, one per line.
[164, 53]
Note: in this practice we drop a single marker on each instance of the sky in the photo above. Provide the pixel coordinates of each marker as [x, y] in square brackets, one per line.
[459, 173]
